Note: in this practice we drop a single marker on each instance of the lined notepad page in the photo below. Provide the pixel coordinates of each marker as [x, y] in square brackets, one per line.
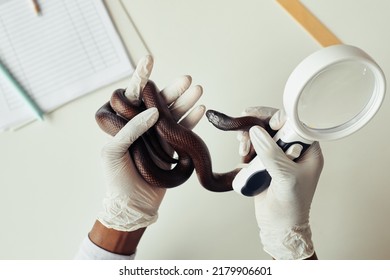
[68, 51]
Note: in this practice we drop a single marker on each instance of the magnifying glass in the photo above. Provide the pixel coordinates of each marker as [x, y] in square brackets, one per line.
[331, 94]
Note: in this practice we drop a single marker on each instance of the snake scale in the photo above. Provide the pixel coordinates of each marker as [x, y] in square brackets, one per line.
[192, 152]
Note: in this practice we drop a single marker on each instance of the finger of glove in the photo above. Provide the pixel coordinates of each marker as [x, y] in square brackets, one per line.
[261, 112]
[193, 117]
[313, 157]
[185, 102]
[121, 142]
[271, 155]
[244, 143]
[139, 79]
[277, 120]
[177, 88]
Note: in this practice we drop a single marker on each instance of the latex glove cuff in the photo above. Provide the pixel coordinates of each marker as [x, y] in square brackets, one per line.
[293, 244]
[118, 214]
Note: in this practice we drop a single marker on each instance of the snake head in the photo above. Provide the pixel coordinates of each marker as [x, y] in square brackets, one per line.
[213, 117]
[220, 120]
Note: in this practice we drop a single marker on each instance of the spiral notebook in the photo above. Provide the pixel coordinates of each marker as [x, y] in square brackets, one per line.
[70, 50]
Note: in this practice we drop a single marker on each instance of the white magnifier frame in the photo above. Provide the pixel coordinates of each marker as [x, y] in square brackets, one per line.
[295, 136]
[309, 69]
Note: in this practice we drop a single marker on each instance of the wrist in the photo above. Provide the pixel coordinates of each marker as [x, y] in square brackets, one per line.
[294, 243]
[115, 241]
[121, 213]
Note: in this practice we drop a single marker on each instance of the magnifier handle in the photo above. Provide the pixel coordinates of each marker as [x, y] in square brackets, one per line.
[254, 178]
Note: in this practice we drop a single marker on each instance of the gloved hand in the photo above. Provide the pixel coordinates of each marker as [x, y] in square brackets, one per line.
[263, 113]
[130, 202]
[282, 211]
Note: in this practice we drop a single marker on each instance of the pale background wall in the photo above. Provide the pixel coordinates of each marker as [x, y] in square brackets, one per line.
[241, 52]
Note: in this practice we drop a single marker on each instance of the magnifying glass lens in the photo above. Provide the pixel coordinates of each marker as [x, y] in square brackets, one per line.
[336, 95]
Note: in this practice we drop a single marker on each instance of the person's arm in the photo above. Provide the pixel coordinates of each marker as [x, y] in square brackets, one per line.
[313, 257]
[115, 241]
[282, 211]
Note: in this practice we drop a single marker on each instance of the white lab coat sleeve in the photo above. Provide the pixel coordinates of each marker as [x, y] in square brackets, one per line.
[90, 251]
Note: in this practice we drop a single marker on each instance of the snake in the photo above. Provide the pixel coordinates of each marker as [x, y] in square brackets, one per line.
[191, 151]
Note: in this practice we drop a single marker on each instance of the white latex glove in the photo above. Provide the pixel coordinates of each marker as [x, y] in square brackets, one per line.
[282, 211]
[263, 113]
[130, 202]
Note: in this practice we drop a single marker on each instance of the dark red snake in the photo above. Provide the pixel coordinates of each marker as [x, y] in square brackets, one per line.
[191, 151]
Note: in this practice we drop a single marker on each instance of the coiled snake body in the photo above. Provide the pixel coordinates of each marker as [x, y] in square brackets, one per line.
[191, 150]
